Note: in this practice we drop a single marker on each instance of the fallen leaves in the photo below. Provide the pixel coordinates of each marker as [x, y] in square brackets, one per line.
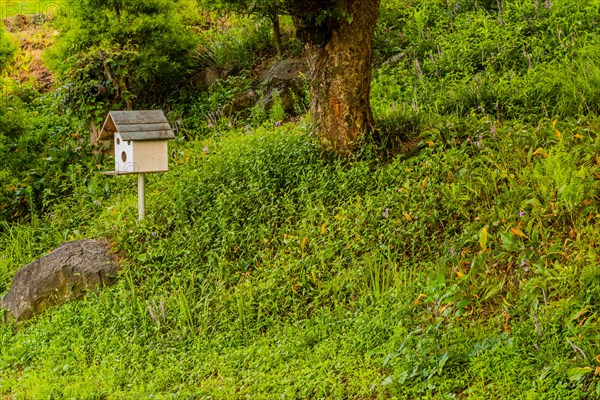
[540, 151]
[418, 300]
[518, 232]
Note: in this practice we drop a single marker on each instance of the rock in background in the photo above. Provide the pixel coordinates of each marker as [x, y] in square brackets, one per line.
[285, 79]
[67, 273]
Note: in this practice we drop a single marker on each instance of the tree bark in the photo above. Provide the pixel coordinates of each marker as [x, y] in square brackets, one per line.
[277, 32]
[339, 50]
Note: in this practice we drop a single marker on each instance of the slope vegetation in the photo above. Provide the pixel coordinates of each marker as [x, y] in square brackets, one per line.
[455, 256]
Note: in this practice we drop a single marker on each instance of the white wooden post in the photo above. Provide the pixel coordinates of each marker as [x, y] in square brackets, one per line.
[141, 198]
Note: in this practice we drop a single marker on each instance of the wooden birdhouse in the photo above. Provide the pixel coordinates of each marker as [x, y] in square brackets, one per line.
[139, 140]
[139, 143]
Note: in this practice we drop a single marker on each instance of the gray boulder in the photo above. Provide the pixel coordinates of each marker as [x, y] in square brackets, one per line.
[285, 71]
[284, 80]
[67, 273]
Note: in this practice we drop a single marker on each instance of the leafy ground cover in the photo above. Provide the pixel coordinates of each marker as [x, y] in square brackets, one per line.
[455, 256]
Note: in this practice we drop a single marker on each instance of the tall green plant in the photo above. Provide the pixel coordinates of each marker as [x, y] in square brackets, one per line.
[7, 49]
[11, 116]
[270, 9]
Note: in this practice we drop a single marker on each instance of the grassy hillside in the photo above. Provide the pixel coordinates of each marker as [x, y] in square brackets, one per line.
[453, 257]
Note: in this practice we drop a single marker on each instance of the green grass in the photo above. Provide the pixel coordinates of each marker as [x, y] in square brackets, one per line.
[464, 266]
[408, 305]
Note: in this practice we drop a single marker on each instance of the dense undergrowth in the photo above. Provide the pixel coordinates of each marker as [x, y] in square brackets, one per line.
[453, 257]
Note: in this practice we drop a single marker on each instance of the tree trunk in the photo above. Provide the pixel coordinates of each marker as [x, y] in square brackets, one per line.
[277, 32]
[339, 52]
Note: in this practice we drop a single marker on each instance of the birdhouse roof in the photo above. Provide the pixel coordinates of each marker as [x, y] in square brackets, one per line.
[137, 125]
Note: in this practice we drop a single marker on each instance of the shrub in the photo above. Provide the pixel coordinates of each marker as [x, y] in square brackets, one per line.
[7, 49]
[138, 49]
[10, 122]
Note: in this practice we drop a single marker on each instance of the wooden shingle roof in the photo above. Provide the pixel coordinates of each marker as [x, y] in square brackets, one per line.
[137, 125]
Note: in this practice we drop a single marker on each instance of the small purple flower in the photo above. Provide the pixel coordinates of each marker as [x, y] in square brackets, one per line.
[248, 126]
[278, 123]
[385, 213]
[205, 150]
[522, 213]
[524, 265]
[493, 130]
[451, 250]
[548, 4]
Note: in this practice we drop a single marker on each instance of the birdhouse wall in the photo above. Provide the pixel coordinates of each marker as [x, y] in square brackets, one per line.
[124, 156]
[151, 156]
